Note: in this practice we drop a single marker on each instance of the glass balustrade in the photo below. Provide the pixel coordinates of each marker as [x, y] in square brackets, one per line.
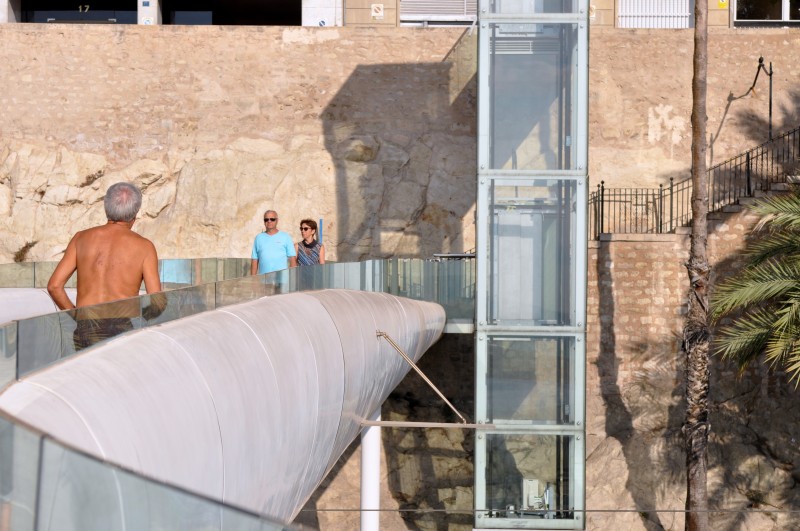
[197, 285]
[42, 480]
[47, 485]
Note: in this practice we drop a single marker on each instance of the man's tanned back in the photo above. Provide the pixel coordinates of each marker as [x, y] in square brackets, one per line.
[111, 259]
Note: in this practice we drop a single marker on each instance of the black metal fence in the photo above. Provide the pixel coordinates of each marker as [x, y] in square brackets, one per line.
[662, 209]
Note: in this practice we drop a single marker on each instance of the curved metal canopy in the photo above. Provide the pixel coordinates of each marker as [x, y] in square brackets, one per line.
[250, 404]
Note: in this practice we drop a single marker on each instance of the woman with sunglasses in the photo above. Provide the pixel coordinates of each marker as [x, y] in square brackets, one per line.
[309, 250]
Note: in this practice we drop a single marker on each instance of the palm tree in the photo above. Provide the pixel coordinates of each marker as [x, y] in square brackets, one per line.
[764, 298]
[696, 336]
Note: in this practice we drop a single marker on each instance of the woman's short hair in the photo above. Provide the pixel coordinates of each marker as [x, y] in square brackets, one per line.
[310, 222]
[122, 202]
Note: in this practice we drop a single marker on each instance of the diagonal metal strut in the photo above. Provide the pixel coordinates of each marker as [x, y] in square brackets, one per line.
[419, 371]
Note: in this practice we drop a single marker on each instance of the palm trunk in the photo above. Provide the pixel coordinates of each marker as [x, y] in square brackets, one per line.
[696, 337]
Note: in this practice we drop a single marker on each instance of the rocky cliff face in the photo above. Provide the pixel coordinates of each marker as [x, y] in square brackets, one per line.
[372, 131]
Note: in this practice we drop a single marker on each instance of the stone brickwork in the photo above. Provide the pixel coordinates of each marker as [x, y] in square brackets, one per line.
[640, 98]
[637, 296]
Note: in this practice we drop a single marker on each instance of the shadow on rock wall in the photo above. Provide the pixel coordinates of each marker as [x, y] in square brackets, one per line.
[641, 416]
[431, 470]
[754, 446]
[756, 124]
[404, 153]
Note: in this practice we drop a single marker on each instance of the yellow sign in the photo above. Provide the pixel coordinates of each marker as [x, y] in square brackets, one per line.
[722, 4]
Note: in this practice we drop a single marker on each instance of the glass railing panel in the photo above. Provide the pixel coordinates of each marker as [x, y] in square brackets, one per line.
[8, 353]
[43, 340]
[83, 494]
[19, 461]
[455, 289]
[341, 276]
[44, 270]
[176, 273]
[309, 278]
[234, 268]
[48, 338]
[244, 289]
[18, 275]
[159, 308]
[207, 270]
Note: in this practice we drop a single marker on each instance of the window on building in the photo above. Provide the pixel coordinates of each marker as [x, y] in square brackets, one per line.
[437, 12]
[766, 12]
[190, 12]
[649, 14]
[232, 12]
[83, 12]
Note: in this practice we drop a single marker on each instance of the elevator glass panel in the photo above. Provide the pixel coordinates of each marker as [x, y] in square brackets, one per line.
[533, 70]
[532, 238]
[527, 7]
[528, 476]
[531, 380]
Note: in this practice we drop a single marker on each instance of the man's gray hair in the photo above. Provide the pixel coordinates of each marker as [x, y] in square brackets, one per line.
[122, 202]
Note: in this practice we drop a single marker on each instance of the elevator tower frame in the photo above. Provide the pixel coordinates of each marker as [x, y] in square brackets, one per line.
[531, 263]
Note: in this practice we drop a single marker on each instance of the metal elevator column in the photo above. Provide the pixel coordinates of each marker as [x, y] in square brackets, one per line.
[531, 263]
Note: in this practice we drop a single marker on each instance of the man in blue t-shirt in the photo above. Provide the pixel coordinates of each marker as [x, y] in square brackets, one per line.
[273, 249]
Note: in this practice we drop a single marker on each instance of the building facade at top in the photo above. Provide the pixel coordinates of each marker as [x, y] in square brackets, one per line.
[322, 13]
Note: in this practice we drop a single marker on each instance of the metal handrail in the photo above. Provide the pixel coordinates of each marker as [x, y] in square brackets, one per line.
[663, 209]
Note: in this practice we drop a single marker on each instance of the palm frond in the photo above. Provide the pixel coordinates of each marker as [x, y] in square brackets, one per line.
[753, 286]
[792, 367]
[783, 350]
[745, 339]
[787, 314]
[779, 245]
[779, 211]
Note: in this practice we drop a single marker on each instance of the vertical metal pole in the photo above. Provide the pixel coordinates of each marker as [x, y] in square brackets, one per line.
[371, 475]
[747, 175]
[671, 205]
[770, 100]
[660, 218]
[602, 206]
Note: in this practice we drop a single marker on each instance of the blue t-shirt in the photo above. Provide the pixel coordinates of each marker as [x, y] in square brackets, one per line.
[272, 252]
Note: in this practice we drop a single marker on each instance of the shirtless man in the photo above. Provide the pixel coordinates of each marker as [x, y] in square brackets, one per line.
[111, 261]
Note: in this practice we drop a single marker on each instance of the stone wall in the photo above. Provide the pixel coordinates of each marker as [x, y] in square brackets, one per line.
[640, 99]
[637, 291]
[371, 129]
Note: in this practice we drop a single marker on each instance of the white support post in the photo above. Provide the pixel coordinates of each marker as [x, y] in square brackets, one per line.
[371, 475]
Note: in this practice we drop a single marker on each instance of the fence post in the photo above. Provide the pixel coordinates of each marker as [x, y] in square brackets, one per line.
[602, 206]
[747, 175]
[660, 218]
[671, 214]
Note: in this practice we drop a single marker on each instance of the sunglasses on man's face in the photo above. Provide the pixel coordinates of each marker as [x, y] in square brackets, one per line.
[305, 228]
[270, 219]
